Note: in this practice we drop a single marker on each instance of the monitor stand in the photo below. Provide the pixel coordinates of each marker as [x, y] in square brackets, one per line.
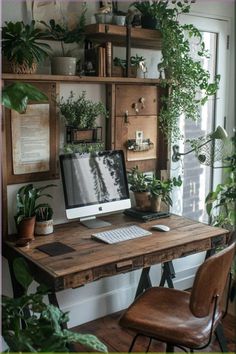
[94, 223]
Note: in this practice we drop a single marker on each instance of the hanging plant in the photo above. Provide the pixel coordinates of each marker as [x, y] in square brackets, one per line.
[189, 83]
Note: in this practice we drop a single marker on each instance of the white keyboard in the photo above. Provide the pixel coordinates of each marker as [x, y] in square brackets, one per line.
[121, 234]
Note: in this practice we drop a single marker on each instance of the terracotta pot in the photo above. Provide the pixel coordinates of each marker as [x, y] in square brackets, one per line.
[26, 229]
[143, 202]
[156, 203]
[44, 227]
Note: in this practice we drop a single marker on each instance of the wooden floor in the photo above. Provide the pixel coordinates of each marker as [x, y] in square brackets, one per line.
[117, 339]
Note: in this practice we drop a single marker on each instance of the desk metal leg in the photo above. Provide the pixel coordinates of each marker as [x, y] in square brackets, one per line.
[168, 274]
[144, 282]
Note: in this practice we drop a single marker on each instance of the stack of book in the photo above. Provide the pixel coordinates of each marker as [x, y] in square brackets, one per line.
[98, 60]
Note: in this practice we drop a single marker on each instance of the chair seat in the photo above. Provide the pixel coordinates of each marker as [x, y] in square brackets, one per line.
[164, 314]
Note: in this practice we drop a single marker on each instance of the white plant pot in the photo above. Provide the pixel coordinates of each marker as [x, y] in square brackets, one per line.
[43, 227]
[63, 66]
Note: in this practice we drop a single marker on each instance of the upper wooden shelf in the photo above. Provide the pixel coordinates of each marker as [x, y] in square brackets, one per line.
[79, 79]
[140, 37]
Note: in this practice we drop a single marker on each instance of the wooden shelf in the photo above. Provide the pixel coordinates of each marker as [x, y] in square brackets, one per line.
[79, 79]
[140, 37]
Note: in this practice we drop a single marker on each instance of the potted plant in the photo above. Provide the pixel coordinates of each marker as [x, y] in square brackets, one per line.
[119, 17]
[160, 191]
[119, 65]
[41, 328]
[150, 12]
[139, 185]
[44, 221]
[80, 115]
[16, 96]
[104, 15]
[26, 203]
[64, 63]
[22, 48]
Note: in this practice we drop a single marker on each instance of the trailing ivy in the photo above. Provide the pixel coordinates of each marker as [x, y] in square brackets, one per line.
[189, 83]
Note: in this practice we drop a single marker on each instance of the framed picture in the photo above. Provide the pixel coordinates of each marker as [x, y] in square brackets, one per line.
[32, 140]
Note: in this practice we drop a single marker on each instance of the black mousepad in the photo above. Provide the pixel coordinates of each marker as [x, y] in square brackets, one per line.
[55, 248]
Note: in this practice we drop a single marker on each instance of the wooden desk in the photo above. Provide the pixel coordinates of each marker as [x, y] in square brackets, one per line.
[93, 260]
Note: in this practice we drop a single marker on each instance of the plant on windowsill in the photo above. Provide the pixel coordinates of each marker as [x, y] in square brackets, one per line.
[189, 83]
[80, 116]
[41, 328]
[160, 191]
[64, 63]
[139, 185]
[26, 203]
[44, 220]
[22, 47]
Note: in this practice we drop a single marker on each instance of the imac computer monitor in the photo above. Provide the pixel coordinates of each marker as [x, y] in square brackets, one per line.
[94, 184]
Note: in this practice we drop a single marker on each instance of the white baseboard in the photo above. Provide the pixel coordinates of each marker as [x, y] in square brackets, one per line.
[101, 305]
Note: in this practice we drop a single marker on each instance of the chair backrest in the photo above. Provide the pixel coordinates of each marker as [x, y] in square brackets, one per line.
[210, 280]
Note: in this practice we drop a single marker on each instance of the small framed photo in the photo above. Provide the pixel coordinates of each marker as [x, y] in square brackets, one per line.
[139, 137]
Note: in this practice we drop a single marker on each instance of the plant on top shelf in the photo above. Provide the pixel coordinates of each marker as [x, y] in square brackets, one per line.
[41, 328]
[189, 84]
[81, 113]
[61, 32]
[150, 13]
[22, 47]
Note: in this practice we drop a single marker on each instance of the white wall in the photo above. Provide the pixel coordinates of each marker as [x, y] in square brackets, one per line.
[112, 294]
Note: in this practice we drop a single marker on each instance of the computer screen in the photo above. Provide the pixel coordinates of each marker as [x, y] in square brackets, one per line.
[94, 184]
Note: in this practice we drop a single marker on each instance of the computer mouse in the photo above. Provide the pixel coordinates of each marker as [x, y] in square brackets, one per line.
[161, 227]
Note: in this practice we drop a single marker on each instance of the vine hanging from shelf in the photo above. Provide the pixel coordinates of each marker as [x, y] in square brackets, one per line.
[189, 82]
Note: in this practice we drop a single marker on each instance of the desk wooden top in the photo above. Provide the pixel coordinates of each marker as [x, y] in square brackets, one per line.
[92, 260]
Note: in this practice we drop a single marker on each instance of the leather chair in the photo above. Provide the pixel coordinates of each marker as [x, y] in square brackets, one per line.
[179, 318]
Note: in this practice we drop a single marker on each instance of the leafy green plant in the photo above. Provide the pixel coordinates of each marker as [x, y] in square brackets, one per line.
[63, 34]
[26, 199]
[44, 213]
[17, 95]
[41, 329]
[220, 203]
[83, 148]
[139, 182]
[20, 43]
[81, 113]
[134, 61]
[163, 188]
[189, 84]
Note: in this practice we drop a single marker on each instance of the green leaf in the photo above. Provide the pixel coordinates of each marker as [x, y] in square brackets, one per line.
[22, 272]
[17, 95]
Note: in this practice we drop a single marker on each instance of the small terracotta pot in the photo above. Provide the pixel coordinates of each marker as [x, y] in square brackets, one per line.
[143, 202]
[26, 229]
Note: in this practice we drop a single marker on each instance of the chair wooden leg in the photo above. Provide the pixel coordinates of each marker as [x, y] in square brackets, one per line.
[132, 344]
[169, 348]
[219, 332]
